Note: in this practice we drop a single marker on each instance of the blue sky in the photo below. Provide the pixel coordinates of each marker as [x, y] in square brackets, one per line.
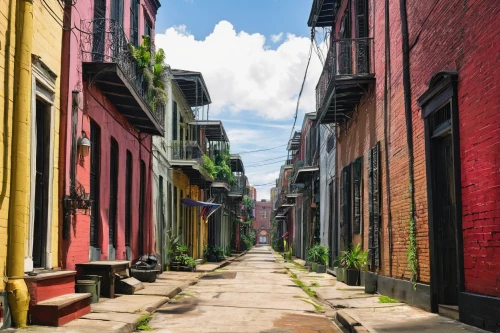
[252, 55]
[263, 16]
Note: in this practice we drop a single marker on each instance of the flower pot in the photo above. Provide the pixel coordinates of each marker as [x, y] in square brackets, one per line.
[211, 258]
[362, 275]
[352, 277]
[370, 283]
[320, 268]
[314, 267]
[340, 274]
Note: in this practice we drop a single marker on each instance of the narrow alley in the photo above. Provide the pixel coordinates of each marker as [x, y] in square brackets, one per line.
[255, 293]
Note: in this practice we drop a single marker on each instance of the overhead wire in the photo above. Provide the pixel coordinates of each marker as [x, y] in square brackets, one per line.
[259, 150]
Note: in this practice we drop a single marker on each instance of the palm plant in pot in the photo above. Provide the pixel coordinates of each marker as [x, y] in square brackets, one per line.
[318, 256]
[353, 260]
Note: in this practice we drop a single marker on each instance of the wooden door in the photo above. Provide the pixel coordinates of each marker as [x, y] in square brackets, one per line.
[445, 220]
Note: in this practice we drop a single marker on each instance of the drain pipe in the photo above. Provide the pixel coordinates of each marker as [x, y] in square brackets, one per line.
[18, 296]
[387, 88]
[408, 111]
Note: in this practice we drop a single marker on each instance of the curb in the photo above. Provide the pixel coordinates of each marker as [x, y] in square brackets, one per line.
[350, 323]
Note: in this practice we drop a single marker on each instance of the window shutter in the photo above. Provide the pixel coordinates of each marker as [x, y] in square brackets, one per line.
[95, 142]
[357, 195]
[376, 199]
[361, 18]
[174, 121]
[346, 207]
[373, 207]
[142, 199]
[134, 22]
[113, 191]
[128, 194]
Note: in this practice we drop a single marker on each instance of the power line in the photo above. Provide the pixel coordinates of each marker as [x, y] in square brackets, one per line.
[258, 165]
[267, 160]
[302, 87]
[271, 183]
[256, 151]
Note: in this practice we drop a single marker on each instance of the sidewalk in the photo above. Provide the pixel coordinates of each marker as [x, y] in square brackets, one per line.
[360, 312]
[121, 314]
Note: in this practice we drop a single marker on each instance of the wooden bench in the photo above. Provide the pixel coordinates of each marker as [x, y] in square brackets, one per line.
[107, 270]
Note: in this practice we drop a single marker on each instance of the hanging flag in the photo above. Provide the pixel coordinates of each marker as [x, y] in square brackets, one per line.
[208, 207]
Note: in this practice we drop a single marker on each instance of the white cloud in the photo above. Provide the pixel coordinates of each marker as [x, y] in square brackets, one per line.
[242, 74]
[276, 38]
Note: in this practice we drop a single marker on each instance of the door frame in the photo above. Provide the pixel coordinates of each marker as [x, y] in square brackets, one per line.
[43, 88]
[443, 89]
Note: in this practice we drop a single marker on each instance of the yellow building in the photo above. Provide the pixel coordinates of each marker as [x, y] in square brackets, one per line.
[30, 65]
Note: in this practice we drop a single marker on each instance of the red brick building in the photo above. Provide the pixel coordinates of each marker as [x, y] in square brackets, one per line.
[414, 91]
[106, 192]
[262, 223]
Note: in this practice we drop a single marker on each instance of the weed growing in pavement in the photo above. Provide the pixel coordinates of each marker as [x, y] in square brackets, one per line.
[293, 275]
[316, 306]
[301, 284]
[386, 299]
[314, 284]
[143, 323]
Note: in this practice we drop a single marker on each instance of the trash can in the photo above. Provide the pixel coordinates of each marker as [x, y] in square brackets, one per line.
[88, 286]
[97, 279]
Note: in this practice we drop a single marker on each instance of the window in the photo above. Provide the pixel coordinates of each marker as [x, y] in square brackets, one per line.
[174, 120]
[128, 195]
[262, 215]
[148, 26]
[113, 191]
[98, 30]
[134, 22]
[117, 12]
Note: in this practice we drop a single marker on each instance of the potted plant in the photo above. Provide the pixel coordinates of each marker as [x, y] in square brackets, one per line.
[190, 263]
[353, 260]
[171, 244]
[313, 257]
[219, 253]
[322, 258]
[208, 251]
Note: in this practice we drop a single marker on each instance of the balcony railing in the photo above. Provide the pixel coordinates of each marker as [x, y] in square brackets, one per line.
[187, 150]
[346, 58]
[239, 186]
[104, 41]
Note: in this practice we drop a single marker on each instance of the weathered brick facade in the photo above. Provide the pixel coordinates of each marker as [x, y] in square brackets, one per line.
[459, 37]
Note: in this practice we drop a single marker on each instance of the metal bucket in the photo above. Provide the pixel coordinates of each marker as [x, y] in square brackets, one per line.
[88, 286]
[95, 278]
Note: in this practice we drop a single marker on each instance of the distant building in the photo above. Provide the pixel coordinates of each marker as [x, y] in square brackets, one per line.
[262, 222]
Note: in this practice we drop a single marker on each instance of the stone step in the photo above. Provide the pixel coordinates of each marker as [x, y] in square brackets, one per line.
[60, 310]
[449, 311]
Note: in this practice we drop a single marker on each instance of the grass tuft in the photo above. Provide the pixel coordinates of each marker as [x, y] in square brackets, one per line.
[142, 323]
[386, 299]
[314, 284]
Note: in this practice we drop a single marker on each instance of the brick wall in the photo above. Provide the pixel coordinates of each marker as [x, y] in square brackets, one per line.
[444, 35]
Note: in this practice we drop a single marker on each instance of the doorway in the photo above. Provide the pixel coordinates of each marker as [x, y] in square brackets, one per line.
[445, 228]
[40, 225]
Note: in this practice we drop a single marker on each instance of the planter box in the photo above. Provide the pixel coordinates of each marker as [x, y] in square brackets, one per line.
[340, 274]
[144, 275]
[371, 282]
[314, 267]
[362, 275]
[352, 277]
[320, 268]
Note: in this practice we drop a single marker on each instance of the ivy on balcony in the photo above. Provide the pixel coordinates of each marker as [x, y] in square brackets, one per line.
[218, 167]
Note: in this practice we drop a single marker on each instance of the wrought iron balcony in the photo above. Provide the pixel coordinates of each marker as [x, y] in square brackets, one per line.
[304, 170]
[238, 187]
[108, 64]
[346, 75]
[188, 157]
[187, 150]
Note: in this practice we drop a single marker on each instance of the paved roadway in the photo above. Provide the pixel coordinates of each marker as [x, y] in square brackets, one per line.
[253, 294]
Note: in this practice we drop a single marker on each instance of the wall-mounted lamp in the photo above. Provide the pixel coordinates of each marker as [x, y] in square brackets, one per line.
[83, 145]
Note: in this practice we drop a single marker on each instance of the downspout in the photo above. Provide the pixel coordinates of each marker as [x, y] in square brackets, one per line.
[387, 83]
[411, 253]
[18, 296]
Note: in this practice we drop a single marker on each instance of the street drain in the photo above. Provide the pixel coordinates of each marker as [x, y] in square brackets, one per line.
[222, 275]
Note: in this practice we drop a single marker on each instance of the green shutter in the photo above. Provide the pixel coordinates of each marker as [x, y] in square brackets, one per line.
[357, 194]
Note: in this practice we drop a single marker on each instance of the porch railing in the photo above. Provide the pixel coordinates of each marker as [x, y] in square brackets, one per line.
[346, 57]
[187, 150]
[238, 187]
[105, 41]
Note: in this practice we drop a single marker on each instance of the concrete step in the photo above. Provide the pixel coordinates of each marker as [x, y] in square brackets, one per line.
[50, 284]
[60, 310]
[449, 311]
